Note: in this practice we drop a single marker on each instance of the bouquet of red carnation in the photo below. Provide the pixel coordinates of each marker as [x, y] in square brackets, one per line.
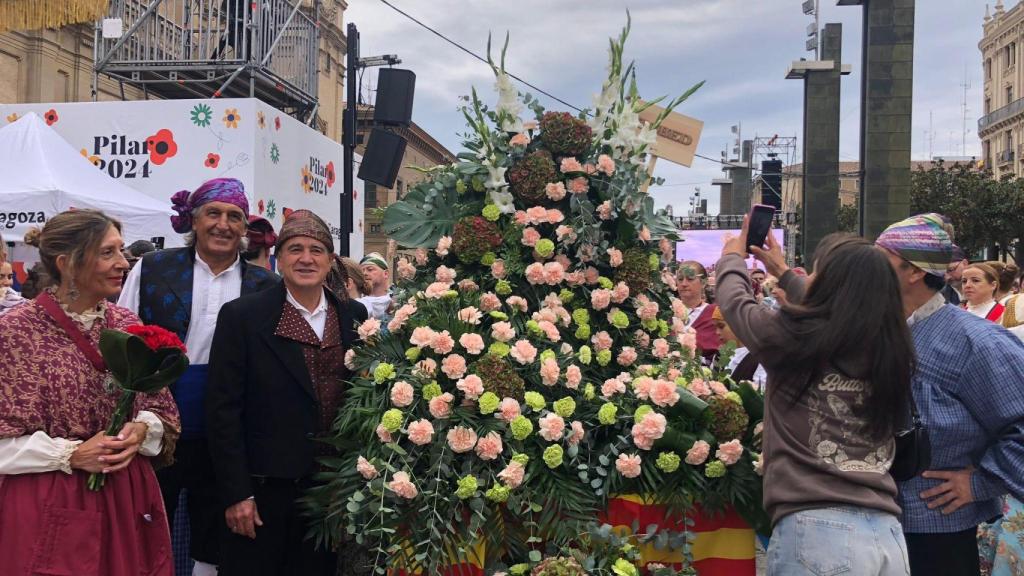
[141, 359]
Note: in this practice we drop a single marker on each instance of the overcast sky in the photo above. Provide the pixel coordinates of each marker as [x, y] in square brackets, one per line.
[741, 48]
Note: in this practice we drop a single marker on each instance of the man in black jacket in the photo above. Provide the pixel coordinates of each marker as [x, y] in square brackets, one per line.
[276, 373]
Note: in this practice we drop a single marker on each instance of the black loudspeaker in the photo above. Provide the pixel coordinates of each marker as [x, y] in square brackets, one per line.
[383, 158]
[771, 183]
[395, 90]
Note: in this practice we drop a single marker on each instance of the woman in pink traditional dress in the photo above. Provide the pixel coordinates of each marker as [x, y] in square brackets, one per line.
[55, 402]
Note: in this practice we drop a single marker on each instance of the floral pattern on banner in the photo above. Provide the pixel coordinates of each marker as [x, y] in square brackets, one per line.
[161, 146]
[201, 115]
[231, 118]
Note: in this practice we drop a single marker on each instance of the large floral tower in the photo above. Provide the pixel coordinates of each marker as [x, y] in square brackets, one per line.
[537, 364]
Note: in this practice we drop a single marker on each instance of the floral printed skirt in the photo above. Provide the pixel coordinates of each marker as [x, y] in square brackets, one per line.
[1001, 544]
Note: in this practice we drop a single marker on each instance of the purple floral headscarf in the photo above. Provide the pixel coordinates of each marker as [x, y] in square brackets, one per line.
[184, 202]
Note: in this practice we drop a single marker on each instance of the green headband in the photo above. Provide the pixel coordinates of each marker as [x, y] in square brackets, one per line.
[375, 259]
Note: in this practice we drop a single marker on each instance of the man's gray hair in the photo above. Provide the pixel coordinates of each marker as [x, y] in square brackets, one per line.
[190, 236]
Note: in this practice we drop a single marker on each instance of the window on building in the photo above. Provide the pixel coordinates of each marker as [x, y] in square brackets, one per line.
[371, 194]
[1006, 56]
[399, 189]
[988, 69]
[1009, 143]
[987, 153]
[988, 105]
[1009, 94]
[375, 228]
[1013, 53]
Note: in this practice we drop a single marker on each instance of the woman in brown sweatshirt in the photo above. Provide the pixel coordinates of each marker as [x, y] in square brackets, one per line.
[839, 365]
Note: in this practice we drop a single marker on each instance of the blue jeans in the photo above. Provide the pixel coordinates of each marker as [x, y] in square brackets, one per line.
[843, 540]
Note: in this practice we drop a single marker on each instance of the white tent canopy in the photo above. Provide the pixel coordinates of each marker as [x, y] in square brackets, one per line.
[41, 175]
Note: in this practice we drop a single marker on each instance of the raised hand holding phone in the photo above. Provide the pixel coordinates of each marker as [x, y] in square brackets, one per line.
[759, 224]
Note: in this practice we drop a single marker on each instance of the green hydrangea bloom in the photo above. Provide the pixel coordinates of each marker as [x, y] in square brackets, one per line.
[583, 332]
[668, 461]
[488, 258]
[460, 187]
[641, 411]
[503, 287]
[431, 391]
[534, 400]
[566, 296]
[478, 184]
[467, 487]
[605, 282]
[498, 493]
[623, 567]
[715, 469]
[499, 349]
[604, 357]
[497, 315]
[581, 316]
[606, 413]
[534, 328]
[650, 325]
[382, 372]
[491, 212]
[682, 381]
[450, 295]
[521, 458]
[589, 392]
[548, 354]
[489, 402]
[584, 354]
[735, 397]
[545, 247]
[553, 456]
[412, 354]
[521, 427]
[620, 320]
[654, 262]
[662, 328]
[518, 569]
[392, 420]
[564, 407]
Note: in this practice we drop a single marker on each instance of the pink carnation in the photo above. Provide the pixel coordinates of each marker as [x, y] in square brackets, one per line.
[523, 352]
[535, 273]
[575, 278]
[555, 191]
[570, 165]
[470, 315]
[443, 343]
[626, 356]
[661, 348]
[468, 285]
[498, 269]
[620, 293]
[406, 271]
[628, 465]
[461, 439]
[573, 377]
[536, 215]
[550, 331]
[611, 387]
[443, 244]
[564, 261]
[402, 486]
[422, 256]
[579, 185]
[367, 470]
[642, 387]
[512, 475]
[473, 343]
[615, 257]
[718, 388]
[698, 453]
[517, 303]
[551, 426]
[644, 234]
[520, 139]
[729, 453]
[593, 276]
[648, 311]
[549, 372]
[600, 298]
[445, 274]
[369, 328]
[402, 393]
[426, 367]
[441, 406]
[421, 432]
[383, 434]
[503, 331]
[554, 273]
[350, 357]
[472, 386]
[564, 232]
[554, 216]
[604, 210]
[642, 339]
[576, 436]
[509, 409]
[489, 302]
[605, 164]
[454, 366]
[650, 428]
[590, 169]
[602, 341]
[521, 218]
[436, 290]
[422, 336]
[664, 393]
[699, 388]
[489, 447]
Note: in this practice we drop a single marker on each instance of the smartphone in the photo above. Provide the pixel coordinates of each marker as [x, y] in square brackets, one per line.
[760, 225]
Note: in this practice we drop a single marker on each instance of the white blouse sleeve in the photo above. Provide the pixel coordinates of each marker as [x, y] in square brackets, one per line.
[154, 442]
[129, 297]
[36, 453]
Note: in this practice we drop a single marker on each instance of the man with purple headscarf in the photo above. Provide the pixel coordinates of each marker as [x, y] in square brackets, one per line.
[182, 290]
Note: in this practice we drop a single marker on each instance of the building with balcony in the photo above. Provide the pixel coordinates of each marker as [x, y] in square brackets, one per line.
[1001, 128]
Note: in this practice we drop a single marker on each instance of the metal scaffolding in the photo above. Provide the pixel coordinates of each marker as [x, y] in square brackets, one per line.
[266, 49]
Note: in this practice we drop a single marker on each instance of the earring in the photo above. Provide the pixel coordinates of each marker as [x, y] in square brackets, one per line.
[73, 292]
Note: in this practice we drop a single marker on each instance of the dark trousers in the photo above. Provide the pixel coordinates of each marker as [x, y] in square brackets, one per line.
[193, 471]
[280, 547]
[945, 554]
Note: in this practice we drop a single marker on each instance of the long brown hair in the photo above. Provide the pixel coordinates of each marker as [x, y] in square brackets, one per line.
[833, 330]
[76, 234]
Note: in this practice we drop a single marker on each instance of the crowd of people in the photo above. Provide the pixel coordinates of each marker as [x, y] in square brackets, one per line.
[876, 336]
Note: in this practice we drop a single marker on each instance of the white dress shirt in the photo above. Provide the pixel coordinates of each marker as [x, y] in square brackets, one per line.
[760, 376]
[695, 313]
[317, 318]
[209, 292]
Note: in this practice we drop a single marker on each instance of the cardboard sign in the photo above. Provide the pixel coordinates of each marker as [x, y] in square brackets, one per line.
[678, 135]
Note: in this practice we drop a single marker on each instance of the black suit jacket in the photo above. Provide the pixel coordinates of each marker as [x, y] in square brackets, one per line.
[261, 409]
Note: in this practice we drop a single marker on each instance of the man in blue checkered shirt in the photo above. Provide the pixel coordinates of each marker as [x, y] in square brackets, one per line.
[969, 390]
